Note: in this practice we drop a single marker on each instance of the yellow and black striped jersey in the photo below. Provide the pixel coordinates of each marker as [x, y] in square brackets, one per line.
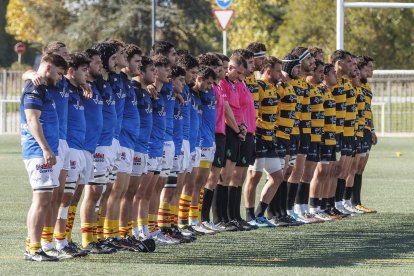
[305, 118]
[366, 90]
[329, 106]
[299, 91]
[351, 109]
[251, 83]
[285, 110]
[339, 94]
[267, 110]
[360, 123]
[317, 113]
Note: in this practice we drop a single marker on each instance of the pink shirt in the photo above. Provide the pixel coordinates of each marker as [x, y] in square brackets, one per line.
[220, 99]
[247, 106]
[229, 90]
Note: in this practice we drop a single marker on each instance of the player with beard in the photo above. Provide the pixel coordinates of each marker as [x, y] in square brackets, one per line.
[40, 143]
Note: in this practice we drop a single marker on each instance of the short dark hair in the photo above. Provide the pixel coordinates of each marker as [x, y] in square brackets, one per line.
[256, 47]
[187, 62]
[92, 52]
[161, 61]
[208, 59]
[177, 71]
[206, 72]
[298, 51]
[339, 55]
[319, 63]
[117, 43]
[145, 62]
[238, 60]
[246, 54]
[53, 47]
[368, 59]
[131, 50]
[361, 62]
[270, 62]
[315, 50]
[78, 59]
[56, 60]
[162, 48]
[182, 52]
[222, 57]
[328, 68]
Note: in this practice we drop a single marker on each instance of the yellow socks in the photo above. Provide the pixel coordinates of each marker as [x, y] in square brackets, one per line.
[193, 215]
[88, 230]
[47, 234]
[152, 222]
[70, 221]
[100, 226]
[33, 247]
[184, 207]
[174, 215]
[163, 219]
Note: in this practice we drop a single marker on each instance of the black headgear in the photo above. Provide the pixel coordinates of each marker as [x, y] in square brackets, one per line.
[288, 63]
[106, 50]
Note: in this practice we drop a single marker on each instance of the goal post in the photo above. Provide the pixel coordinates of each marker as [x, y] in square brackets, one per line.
[340, 14]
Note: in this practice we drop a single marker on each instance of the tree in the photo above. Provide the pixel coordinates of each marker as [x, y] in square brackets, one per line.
[384, 34]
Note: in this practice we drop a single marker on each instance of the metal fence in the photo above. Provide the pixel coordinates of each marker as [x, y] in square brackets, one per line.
[393, 102]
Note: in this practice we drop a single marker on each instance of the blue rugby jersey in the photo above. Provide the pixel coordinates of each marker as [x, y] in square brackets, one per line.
[38, 98]
[93, 118]
[144, 105]
[185, 110]
[109, 115]
[208, 118]
[76, 118]
[131, 120]
[195, 112]
[60, 95]
[167, 93]
[178, 127]
[117, 83]
[156, 142]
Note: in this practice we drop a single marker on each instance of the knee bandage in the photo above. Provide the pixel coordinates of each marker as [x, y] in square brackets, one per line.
[63, 213]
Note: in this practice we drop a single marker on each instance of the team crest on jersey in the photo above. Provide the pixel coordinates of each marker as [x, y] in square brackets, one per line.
[44, 168]
[78, 105]
[120, 94]
[171, 96]
[161, 112]
[212, 104]
[178, 115]
[64, 94]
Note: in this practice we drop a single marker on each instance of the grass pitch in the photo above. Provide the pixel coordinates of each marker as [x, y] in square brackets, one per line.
[378, 244]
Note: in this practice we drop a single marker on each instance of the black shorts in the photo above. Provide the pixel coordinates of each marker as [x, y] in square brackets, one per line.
[265, 149]
[282, 147]
[314, 152]
[294, 145]
[367, 141]
[339, 140]
[232, 145]
[220, 154]
[348, 146]
[328, 153]
[304, 143]
[247, 153]
[358, 145]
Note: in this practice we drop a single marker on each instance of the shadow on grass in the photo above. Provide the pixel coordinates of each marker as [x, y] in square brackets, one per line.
[383, 238]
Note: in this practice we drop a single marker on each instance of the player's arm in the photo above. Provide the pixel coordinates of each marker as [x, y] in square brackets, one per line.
[87, 91]
[230, 120]
[32, 117]
[34, 77]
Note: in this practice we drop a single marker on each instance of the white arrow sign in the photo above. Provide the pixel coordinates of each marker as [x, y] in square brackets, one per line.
[223, 17]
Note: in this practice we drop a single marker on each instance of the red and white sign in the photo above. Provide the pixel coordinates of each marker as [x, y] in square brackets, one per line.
[20, 48]
[223, 17]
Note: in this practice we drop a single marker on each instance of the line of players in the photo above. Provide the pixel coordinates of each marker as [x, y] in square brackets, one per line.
[156, 143]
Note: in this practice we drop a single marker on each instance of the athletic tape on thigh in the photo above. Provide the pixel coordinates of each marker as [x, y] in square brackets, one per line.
[205, 164]
[43, 190]
[70, 187]
[292, 160]
[171, 181]
[63, 213]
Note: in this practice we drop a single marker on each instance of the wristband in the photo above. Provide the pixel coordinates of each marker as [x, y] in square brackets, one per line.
[372, 129]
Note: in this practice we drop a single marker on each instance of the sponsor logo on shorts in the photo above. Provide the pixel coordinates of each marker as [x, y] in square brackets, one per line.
[44, 168]
[72, 164]
[137, 161]
[123, 155]
[99, 157]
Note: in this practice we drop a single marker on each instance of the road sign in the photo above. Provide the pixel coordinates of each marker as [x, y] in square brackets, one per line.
[20, 48]
[223, 17]
[224, 4]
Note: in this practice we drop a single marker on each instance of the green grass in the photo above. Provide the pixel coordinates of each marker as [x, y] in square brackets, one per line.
[379, 244]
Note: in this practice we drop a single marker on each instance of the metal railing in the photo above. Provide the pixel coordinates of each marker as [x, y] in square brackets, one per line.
[393, 101]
